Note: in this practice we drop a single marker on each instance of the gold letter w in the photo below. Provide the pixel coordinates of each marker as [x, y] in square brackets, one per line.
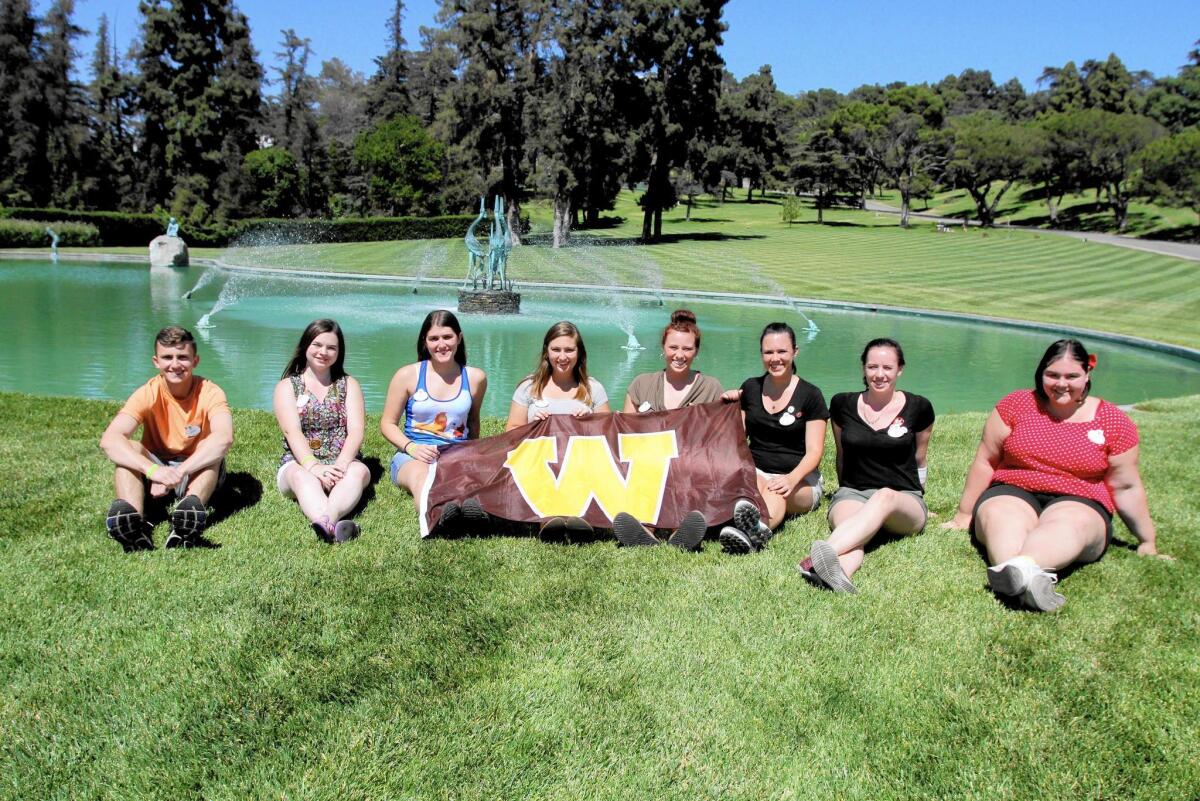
[588, 471]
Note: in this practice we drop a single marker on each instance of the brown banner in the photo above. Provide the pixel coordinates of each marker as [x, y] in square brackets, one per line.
[657, 467]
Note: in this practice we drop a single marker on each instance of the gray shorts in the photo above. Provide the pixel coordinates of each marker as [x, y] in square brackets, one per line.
[813, 480]
[862, 496]
[181, 487]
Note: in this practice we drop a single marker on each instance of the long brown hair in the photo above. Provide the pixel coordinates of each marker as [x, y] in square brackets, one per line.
[300, 358]
[442, 319]
[541, 374]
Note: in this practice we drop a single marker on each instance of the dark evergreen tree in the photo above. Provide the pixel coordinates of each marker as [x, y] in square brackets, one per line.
[293, 117]
[750, 115]
[675, 48]
[430, 75]
[389, 85]
[486, 120]
[24, 169]
[1175, 101]
[987, 156]
[582, 112]
[111, 102]
[64, 102]
[200, 100]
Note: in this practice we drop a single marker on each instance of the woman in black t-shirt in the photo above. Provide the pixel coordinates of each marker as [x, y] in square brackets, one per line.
[785, 419]
[881, 436]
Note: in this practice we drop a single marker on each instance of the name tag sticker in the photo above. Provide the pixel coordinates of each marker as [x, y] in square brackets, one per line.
[191, 431]
[1096, 435]
[644, 407]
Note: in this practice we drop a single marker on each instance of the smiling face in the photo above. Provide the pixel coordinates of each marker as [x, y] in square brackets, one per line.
[175, 364]
[562, 353]
[1065, 382]
[882, 368]
[679, 349]
[778, 352]
[442, 343]
[322, 352]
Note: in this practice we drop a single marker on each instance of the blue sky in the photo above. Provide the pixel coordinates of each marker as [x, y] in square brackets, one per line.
[838, 44]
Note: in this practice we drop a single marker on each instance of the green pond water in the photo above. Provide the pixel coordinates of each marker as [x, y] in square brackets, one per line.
[86, 329]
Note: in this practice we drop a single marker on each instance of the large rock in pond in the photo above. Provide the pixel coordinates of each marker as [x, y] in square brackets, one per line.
[168, 251]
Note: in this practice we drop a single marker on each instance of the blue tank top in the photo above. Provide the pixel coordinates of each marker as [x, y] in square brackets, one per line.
[429, 421]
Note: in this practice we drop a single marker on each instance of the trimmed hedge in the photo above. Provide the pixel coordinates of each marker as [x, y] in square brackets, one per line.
[123, 229]
[115, 228]
[32, 234]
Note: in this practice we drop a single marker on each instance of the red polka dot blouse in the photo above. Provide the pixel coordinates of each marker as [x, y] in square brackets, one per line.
[1043, 454]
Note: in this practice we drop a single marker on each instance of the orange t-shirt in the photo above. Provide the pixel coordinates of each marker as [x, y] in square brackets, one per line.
[171, 428]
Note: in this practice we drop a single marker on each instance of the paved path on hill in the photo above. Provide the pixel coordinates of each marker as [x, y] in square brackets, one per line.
[1180, 250]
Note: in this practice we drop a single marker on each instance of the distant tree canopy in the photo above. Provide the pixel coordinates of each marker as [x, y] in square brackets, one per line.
[562, 100]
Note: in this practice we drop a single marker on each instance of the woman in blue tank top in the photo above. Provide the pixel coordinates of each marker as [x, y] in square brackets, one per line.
[439, 396]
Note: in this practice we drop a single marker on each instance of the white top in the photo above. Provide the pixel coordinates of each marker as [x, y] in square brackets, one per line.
[523, 396]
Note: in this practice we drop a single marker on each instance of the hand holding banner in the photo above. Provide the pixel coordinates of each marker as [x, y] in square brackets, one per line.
[657, 467]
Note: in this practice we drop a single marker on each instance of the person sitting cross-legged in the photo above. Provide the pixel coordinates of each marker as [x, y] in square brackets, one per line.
[187, 429]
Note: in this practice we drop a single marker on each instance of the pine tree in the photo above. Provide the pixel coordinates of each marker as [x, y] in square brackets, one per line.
[675, 50]
[199, 95]
[24, 170]
[389, 84]
[294, 123]
[110, 149]
[486, 119]
[66, 134]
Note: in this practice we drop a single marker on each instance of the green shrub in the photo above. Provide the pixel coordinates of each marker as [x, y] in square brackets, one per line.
[32, 234]
[120, 229]
[116, 228]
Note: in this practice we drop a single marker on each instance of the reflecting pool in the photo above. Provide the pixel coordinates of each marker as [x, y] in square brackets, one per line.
[86, 329]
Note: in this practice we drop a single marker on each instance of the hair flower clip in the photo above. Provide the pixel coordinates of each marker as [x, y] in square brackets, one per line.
[1091, 361]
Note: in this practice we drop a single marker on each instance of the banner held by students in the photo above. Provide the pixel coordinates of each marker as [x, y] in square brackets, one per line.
[657, 467]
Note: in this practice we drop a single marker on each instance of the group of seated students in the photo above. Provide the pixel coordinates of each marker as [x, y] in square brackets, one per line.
[1053, 463]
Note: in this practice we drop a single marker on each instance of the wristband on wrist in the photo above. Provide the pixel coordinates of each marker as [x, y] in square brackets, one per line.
[405, 448]
[151, 470]
[307, 460]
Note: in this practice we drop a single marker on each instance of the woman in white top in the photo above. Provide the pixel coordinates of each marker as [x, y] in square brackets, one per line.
[560, 384]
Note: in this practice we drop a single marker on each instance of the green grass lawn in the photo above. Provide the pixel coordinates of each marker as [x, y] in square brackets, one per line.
[858, 256]
[500, 668]
[1025, 204]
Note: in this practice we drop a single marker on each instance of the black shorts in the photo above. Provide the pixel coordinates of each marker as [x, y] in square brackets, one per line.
[1040, 501]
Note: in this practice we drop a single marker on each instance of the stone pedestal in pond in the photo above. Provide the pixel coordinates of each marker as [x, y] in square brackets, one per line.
[168, 251]
[489, 301]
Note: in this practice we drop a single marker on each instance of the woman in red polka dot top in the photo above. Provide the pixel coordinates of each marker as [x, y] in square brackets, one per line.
[1052, 465]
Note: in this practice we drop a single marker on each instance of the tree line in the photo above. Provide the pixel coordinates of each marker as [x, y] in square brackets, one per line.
[564, 100]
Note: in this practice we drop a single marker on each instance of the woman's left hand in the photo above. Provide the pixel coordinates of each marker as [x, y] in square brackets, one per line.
[581, 413]
[1150, 549]
[782, 485]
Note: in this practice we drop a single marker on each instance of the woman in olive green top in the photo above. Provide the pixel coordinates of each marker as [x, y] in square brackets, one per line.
[674, 387]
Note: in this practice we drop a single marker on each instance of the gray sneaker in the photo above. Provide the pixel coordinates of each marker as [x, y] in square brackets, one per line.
[746, 516]
[690, 532]
[829, 569]
[1040, 594]
[630, 533]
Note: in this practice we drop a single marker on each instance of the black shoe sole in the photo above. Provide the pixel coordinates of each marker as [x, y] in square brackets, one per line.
[735, 541]
[188, 522]
[474, 517]
[690, 532]
[746, 517]
[127, 526]
[631, 534]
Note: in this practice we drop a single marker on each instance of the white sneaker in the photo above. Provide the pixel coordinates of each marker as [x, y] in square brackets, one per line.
[1040, 594]
[1012, 577]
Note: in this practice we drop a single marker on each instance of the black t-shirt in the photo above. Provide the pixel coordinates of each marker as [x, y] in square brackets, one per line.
[876, 459]
[776, 447]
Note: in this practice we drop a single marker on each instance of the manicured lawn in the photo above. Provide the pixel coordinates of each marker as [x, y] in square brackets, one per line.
[501, 668]
[859, 256]
[1024, 204]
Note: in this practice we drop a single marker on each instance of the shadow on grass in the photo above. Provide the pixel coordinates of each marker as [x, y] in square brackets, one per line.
[625, 241]
[377, 471]
[698, 220]
[602, 224]
[832, 223]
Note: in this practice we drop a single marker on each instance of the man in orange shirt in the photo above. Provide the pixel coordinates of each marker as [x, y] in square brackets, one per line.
[186, 431]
